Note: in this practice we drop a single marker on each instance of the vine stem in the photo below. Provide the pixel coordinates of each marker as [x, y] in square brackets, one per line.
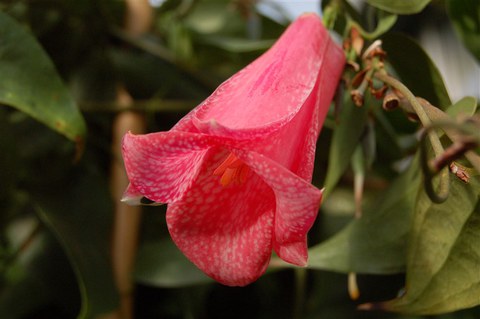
[438, 115]
[432, 135]
[417, 107]
[330, 14]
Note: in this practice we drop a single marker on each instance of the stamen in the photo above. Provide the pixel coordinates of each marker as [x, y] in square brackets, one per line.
[232, 171]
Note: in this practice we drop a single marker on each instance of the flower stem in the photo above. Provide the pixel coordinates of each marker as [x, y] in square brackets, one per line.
[417, 107]
[437, 146]
[300, 287]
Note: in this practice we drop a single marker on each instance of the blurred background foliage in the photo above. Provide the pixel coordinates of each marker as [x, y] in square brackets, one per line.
[62, 63]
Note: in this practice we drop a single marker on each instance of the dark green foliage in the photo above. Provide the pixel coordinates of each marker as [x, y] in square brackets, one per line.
[61, 63]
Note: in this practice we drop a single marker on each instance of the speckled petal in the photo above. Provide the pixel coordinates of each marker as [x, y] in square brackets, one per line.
[162, 166]
[225, 231]
[297, 204]
[235, 171]
[271, 90]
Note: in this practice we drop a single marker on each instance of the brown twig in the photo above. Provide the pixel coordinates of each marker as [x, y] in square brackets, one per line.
[139, 16]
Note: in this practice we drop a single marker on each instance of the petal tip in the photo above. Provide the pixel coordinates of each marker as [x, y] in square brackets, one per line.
[321, 194]
[294, 253]
[129, 134]
[131, 200]
[127, 138]
[131, 196]
[139, 200]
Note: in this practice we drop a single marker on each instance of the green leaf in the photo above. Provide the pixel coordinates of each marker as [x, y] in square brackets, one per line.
[465, 16]
[340, 13]
[400, 7]
[467, 106]
[444, 254]
[81, 223]
[385, 22]
[375, 243]
[346, 135]
[31, 84]
[213, 17]
[180, 41]
[416, 69]
[237, 45]
[160, 263]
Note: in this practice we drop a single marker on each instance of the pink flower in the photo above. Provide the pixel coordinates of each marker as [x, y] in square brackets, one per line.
[236, 170]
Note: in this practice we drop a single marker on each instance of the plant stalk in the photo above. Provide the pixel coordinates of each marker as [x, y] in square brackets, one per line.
[444, 181]
[139, 17]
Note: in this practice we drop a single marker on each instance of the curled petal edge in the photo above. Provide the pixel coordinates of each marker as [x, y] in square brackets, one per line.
[297, 205]
[162, 166]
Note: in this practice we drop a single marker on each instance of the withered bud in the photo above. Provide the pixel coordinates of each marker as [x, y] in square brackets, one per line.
[357, 97]
[375, 49]
[391, 101]
[460, 171]
[359, 77]
[354, 65]
[453, 152]
[357, 40]
[378, 93]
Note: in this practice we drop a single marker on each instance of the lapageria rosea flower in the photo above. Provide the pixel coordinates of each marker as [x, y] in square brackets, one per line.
[236, 171]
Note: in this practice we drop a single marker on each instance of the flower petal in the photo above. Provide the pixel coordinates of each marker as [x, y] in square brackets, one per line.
[162, 166]
[131, 196]
[225, 231]
[293, 146]
[297, 204]
[272, 89]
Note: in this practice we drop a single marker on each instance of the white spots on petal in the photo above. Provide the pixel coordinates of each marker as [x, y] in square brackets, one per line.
[297, 204]
[228, 232]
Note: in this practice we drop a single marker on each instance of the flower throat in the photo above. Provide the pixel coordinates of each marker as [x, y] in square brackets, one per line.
[232, 171]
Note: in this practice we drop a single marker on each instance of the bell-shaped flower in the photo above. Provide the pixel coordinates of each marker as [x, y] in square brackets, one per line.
[236, 171]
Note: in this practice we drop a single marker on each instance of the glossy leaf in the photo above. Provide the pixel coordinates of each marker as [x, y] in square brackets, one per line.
[465, 15]
[375, 243]
[160, 263]
[400, 7]
[346, 135]
[80, 223]
[31, 84]
[416, 69]
[443, 254]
